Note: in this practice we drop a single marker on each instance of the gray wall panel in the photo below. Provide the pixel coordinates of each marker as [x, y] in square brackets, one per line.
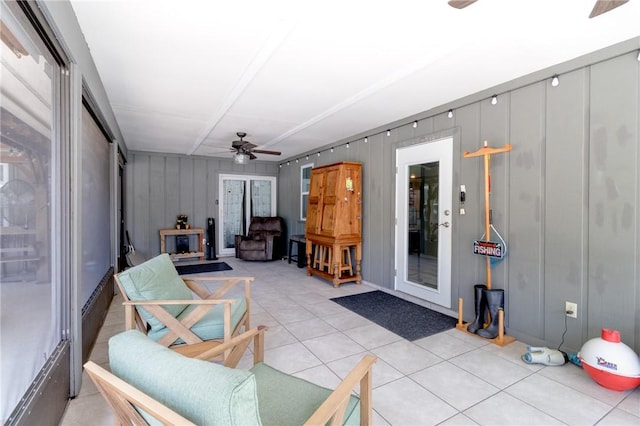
[372, 213]
[186, 191]
[524, 241]
[566, 195]
[613, 206]
[172, 197]
[138, 205]
[200, 201]
[471, 268]
[157, 192]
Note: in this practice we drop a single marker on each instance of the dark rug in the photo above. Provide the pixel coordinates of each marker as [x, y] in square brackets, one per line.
[202, 267]
[397, 315]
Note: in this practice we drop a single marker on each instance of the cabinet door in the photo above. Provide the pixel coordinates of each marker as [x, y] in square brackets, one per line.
[313, 206]
[349, 199]
[329, 202]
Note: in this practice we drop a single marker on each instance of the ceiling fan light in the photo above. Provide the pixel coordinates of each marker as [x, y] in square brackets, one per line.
[241, 158]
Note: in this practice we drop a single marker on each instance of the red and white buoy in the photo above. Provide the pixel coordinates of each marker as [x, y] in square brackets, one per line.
[609, 362]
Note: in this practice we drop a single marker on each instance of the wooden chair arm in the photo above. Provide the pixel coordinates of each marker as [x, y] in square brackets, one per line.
[334, 406]
[121, 395]
[229, 283]
[237, 345]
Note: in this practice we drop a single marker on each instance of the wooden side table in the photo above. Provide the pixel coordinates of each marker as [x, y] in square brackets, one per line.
[300, 256]
[199, 232]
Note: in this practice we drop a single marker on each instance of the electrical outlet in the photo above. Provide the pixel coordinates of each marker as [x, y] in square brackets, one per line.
[571, 309]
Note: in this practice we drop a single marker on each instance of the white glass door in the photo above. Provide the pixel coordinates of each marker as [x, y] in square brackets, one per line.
[424, 221]
[241, 198]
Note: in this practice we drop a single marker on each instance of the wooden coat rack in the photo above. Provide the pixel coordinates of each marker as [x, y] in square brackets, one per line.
[487, 152]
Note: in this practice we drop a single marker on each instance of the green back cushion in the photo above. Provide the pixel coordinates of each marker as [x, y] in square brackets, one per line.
[287, 400]
[203, 392]
[155, 279]
[211, 325]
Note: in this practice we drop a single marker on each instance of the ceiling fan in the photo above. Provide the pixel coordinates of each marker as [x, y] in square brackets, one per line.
[600, 7]
[244, 150]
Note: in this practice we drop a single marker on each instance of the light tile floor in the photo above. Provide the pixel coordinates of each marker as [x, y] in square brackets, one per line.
[450, 378]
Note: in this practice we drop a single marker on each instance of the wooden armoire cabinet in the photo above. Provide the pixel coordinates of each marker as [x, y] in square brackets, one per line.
[334, 222]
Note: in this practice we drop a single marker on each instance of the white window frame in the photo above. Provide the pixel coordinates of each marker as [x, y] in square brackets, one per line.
[303, 217]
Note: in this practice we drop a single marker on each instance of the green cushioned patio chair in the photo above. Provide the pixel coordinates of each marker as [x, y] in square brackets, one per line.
[161, 304]
[150, 384]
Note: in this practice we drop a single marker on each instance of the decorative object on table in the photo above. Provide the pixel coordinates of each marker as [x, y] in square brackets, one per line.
[609, 362]
[181, 223]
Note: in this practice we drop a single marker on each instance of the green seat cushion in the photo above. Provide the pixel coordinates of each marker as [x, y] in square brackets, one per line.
[288, 400]
[155, 279]
[211, 325]
[203, 392]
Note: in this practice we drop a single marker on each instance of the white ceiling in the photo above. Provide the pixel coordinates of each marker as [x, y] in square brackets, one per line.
[184, 77]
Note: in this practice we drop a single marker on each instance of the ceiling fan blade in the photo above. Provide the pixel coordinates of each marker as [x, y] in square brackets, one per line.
[264, 151]
[247, 145]
[251, 156]
[461, 4]
[603, 6]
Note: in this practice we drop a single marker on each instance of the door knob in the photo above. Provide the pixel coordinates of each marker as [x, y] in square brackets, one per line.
[445, 224]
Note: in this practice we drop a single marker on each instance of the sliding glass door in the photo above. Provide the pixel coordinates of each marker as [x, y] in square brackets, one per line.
[241, 198]
[32, 290]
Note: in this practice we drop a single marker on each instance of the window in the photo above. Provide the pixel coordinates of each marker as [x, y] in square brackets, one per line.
[305, 183]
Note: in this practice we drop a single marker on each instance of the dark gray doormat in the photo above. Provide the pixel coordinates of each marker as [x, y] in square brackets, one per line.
[202, 267]
[397, 315]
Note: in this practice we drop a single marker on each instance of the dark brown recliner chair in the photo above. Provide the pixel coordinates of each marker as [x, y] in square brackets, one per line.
[266, 239]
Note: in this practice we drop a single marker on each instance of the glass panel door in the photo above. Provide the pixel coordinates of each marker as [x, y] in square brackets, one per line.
[233, 211]
[422, 210]
[423, 231]
[241, 198]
